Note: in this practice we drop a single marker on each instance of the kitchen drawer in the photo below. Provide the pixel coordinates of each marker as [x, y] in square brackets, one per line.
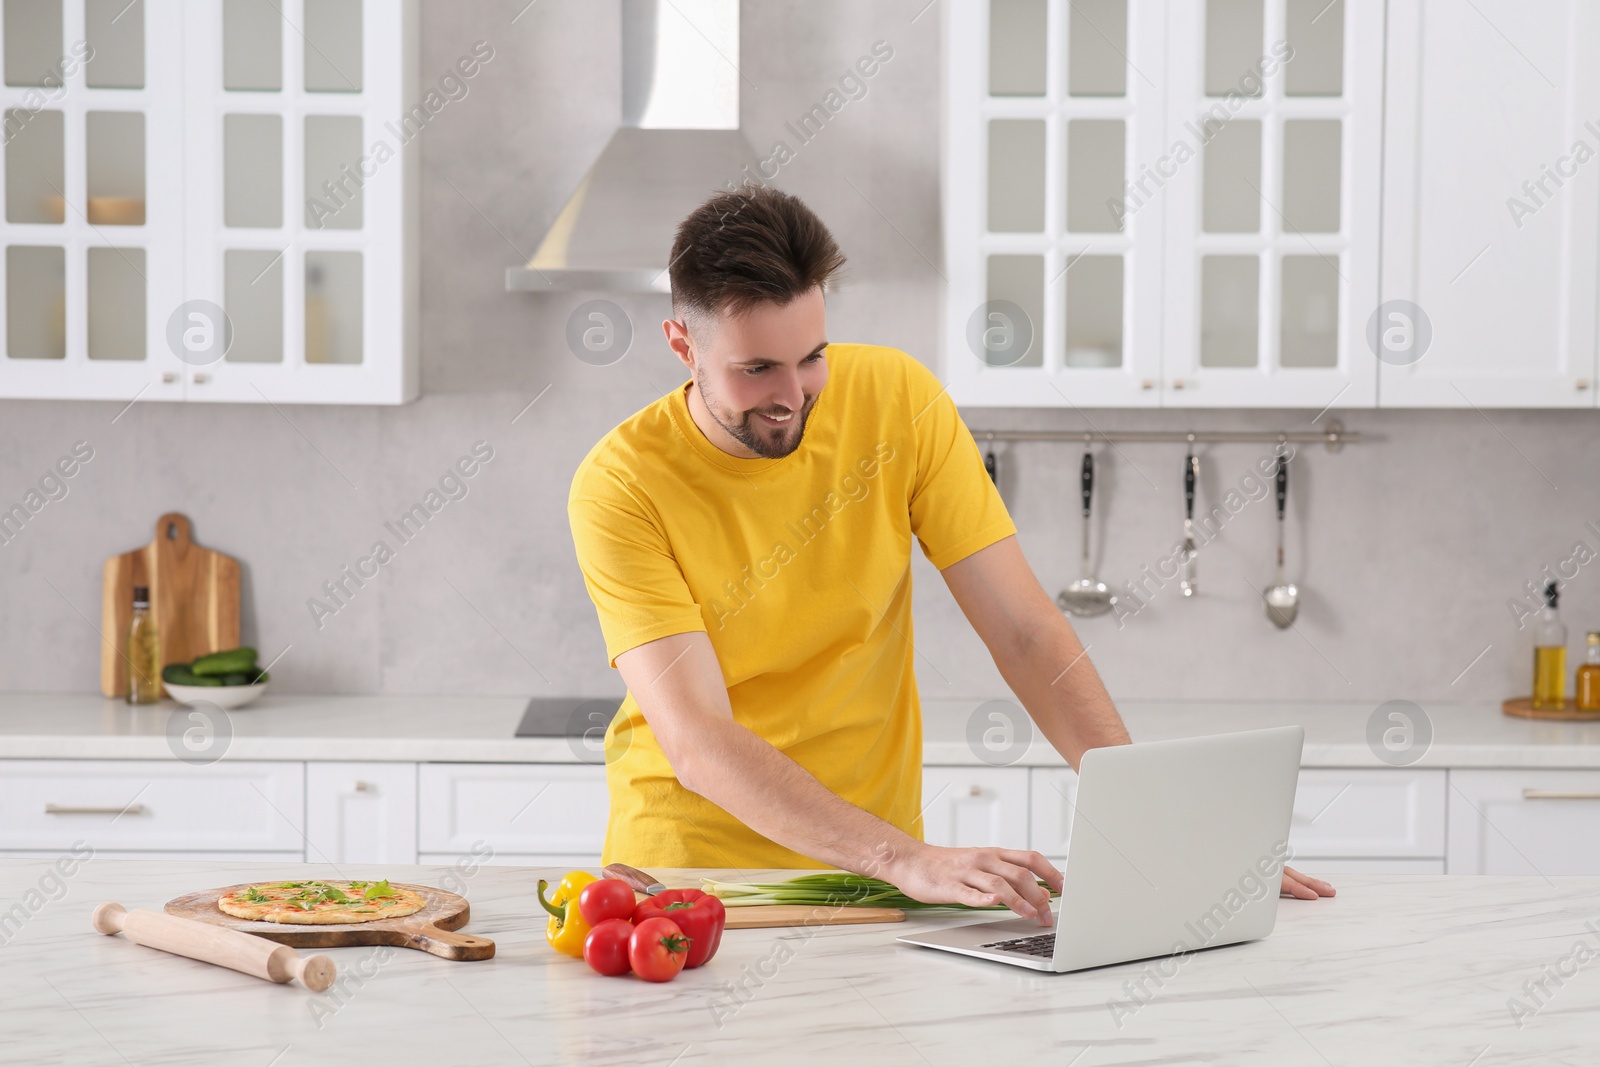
[152, 805]
[161, 854]
[590, 863]
[1525, 822]
[1331, 868]
[361, 812]
[1051, 792]
[512, 808]
[1368, 814]
[975, 806]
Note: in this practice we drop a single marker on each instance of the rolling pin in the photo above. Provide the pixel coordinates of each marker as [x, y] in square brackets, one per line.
[215, 944]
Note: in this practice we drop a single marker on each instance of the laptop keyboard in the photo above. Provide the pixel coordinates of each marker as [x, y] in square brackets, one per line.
[1037, 945]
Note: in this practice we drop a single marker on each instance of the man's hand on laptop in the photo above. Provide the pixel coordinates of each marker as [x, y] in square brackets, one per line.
[1304, 886]
[976, 876]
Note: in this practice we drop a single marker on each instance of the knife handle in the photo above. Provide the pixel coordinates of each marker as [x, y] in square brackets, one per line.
[235, 949]
[1191, 468]
[1086, 478]
[641, 882]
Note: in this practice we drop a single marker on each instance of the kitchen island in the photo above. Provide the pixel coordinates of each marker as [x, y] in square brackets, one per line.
[1394, 970]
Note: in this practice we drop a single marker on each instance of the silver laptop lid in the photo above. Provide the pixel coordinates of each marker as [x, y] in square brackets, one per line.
[1176, 845]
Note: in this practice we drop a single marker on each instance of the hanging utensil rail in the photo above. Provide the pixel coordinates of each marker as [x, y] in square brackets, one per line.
[1335, 436]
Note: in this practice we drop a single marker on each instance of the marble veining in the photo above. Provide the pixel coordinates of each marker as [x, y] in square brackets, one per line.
[1394, 970]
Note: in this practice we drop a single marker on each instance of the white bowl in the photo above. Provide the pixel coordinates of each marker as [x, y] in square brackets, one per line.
[223, 696]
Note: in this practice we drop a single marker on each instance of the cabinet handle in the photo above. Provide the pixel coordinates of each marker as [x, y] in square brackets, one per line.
[1583, 383]
[167, 377]
[1177, 383]
[974, 790]
[200, 378]
[1147, 383]
[68, 809]
[365, 787]
[1561, 794]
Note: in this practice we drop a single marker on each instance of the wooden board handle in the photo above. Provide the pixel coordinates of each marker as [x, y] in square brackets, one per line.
[234, 949]
[448, 944]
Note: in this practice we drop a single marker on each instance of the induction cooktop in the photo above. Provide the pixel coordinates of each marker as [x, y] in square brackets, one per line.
[567, 716]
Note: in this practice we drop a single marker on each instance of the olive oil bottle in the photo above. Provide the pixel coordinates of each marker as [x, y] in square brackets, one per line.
[143, 651]
[1589, 675]
[1550, 655]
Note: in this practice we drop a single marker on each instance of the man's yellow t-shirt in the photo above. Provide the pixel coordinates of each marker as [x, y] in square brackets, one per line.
[799, 571]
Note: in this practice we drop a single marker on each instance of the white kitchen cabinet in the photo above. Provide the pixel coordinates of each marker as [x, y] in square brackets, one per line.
[1052, 791]
[1524, 822]
[222, 205]
[361, 812]
[1491, 188]
[1163, 203]
[1271, 251]
[152, 805]
[512, 809]
[93, 222]
[975, 806]
[1363, 813]
[125, 855]
[589, 861]
[1319, 867]
[1054, 287]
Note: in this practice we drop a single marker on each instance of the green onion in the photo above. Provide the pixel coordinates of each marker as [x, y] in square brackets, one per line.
[828, 890]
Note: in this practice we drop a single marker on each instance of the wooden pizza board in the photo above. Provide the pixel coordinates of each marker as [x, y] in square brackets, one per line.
[1522, 708]
[431, 929]
[194, 600]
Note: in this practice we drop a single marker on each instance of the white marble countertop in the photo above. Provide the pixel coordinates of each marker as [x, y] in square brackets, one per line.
[1395, 969]
[480, 729]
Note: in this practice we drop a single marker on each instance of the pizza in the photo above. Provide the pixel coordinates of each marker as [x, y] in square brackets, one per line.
[314, 903]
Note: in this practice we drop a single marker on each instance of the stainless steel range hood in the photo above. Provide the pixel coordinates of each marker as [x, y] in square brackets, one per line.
[678, 143]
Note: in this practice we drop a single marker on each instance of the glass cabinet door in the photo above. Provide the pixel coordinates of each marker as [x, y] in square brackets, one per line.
[93, 260]
[1055, 270]
[297, 225]
[1272, 227]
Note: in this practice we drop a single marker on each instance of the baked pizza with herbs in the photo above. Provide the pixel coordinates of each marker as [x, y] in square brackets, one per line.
[321, 903]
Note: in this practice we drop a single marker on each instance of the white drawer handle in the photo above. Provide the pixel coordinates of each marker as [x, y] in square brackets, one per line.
[68, 809]
[1560, 794]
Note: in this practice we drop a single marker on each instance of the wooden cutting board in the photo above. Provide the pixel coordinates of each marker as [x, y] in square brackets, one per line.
[430, 930]
[194, 600]
[767, 916]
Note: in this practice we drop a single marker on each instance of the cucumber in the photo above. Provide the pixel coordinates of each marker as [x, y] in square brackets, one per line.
[179, 674]
[239, 678]
[233, 661]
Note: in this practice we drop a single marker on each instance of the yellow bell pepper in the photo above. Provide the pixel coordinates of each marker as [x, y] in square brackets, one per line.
[566, 928]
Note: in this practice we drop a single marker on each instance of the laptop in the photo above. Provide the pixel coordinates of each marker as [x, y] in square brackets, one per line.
[1176, 846]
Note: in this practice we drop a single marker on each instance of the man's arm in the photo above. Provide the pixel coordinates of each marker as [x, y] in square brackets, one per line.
[1046, 666]
[1036, 649]
[678, 684]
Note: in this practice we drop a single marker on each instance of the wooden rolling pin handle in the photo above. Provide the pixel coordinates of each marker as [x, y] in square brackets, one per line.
[234, 949]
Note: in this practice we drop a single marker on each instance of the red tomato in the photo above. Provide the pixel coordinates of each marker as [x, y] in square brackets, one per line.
[606, 947]
[657, 950]
[606, 898]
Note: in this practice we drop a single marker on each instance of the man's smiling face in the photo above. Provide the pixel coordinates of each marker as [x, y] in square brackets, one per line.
[757, 374]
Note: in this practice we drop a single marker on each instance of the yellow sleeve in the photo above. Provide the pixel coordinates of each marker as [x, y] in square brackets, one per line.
[628, 566]
[955, 508]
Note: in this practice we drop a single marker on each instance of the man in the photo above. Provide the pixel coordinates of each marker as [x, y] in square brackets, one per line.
[746, 541]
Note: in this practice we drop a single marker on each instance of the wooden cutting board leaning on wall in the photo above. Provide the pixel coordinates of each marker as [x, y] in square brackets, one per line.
[194, 600]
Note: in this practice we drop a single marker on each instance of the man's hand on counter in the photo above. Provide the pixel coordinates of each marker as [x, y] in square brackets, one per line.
[976, 876]
[1304, 886]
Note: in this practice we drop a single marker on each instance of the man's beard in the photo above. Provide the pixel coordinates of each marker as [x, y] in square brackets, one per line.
[756, 436]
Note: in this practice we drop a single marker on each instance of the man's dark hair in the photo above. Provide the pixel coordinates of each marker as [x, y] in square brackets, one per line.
[746, 247]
